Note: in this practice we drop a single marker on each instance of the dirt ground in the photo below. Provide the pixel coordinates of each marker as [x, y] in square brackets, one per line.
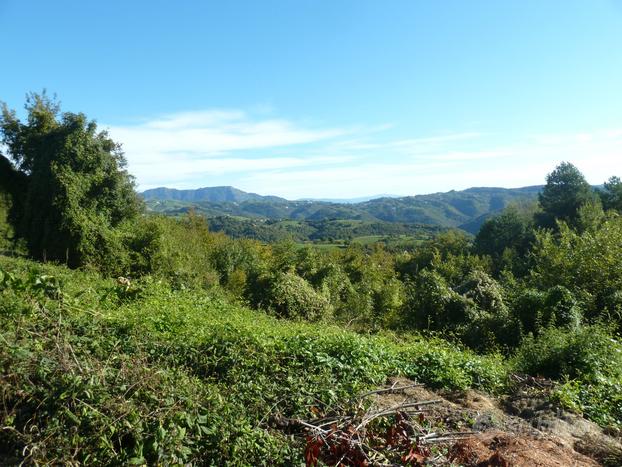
[523, 429]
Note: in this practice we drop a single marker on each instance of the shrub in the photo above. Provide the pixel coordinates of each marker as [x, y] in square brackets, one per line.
[561, 308]
[586, 263]
[527, 308]
[290, 296]
[484, 291]
[474, 312]
[588, 353]
[175, 249]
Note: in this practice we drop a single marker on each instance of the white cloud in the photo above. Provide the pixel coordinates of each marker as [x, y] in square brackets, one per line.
[185, 172]
[409, 145]
[276, 156]
[214, 132]
[522, 163]
[174, 148]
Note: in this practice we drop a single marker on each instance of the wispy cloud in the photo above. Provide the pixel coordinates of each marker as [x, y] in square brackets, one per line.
[408, 145]
[520, 161]
[278, 156]
[214, 132]
[174, 148]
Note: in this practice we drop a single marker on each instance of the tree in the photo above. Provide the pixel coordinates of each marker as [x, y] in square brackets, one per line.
[76, 191]
[12, 184]
[611, 195]
[566, 190]
[586, 263]
[506, 230]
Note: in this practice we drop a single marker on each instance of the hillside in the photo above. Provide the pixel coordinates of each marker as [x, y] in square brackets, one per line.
[451, 209]
[151, 375]
[215, 194]
[99, 371]
[326, 230]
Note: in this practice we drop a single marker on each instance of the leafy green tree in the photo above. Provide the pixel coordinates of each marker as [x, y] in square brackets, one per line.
[475, 312]
[76, 191]
[506, 238]
[611, 195]
[586, 263]
[561, 308]
[484, 291]
[506, 230]
[430, 303]
[589, 216]
[443, 248]
[566, 190]
[12, 187]
[527, 306]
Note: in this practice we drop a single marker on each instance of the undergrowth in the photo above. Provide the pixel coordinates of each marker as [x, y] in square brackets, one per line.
[110, 372]
[588, 361]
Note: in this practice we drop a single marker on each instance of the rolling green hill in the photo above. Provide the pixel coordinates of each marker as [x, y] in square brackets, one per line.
[463, 209]
[325, 230]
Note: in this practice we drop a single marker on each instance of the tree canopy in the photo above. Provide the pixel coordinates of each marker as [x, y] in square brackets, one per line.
[611, 195]
[506, 230]
[73, 190]
[566, 190]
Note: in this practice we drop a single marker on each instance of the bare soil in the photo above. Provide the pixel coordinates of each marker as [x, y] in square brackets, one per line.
[523, 429]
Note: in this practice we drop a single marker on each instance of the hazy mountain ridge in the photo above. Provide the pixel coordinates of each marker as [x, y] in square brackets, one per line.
[360, 199]
[465, 209]
[216, 194]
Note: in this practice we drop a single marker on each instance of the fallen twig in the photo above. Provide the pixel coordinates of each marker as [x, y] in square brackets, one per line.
[390, 390]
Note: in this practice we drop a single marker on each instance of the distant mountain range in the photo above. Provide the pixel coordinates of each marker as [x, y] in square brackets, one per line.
[361, 199]
[213, 194]
[466, 209]
[229, 194]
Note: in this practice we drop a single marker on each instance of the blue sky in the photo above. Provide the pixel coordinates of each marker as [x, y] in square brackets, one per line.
[332, 98]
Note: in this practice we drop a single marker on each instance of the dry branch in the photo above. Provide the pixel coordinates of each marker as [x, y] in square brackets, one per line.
[391, 390]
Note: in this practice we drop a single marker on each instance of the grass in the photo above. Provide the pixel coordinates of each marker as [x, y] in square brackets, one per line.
[369, 239]
[98, 372]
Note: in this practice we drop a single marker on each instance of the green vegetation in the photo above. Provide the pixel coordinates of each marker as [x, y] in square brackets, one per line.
[71, 186]
[323, 231]
[205, 339]
[466, 209]
[6, 231]
[97, 371]
[611, 195]
[590, 363]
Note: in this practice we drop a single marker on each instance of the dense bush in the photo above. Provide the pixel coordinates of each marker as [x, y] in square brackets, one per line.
[290, 296]
[474, 312]
[588, 353]
[561, 309]
[585, 263]
[588, 360]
